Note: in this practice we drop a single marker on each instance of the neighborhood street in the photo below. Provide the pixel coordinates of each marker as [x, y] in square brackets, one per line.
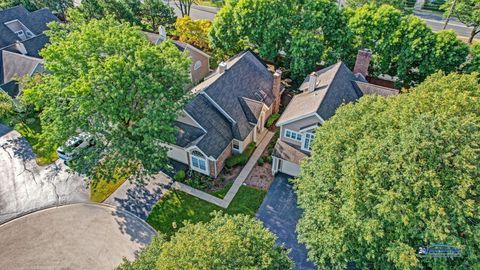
[78, 236]
[26, 187]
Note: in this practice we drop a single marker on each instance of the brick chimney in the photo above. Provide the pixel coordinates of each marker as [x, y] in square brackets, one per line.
[363, 61]
[277, 85]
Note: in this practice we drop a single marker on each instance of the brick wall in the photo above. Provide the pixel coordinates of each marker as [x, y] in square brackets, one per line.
[221, 160]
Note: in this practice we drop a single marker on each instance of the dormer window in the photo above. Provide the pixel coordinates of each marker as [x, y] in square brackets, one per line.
[19, 29]
[307, 141]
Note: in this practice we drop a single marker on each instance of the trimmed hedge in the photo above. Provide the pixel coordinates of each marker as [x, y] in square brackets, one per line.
[242, 158]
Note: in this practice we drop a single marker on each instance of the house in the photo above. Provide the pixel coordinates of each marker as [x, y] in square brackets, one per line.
[322, 93]
[200, 67]
[226, 114]
[21, 38]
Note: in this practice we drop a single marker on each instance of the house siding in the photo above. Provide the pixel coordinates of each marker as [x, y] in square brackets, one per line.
[178, 154]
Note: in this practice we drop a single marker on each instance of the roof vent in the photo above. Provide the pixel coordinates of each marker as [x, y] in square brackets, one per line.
[20, 47]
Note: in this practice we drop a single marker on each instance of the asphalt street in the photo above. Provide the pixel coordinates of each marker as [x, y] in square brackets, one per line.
[79, 236]
[26, 187]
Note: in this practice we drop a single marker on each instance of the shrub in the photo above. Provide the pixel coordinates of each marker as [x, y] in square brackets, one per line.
[198, 180]
[261, 161]
[179, 176]
[268, 159]
[272, 119]
[242, 158]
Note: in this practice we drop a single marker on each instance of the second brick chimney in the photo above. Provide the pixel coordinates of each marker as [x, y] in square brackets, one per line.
[277, 85]
[363, 61]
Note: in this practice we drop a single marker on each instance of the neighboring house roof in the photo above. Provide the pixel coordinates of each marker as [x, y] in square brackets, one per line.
[334, 86]
[36, 22]
[19, 65]
[226, 104]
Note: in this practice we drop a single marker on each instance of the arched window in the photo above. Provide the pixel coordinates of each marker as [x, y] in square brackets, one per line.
[199, 162]
[197, 65]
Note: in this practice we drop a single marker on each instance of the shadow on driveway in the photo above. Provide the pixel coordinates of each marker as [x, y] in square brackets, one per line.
[280, 214]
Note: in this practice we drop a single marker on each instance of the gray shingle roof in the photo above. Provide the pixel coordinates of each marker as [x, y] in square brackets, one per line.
[35, 21]
[333, 87]
[247, 77]
[219, 132]
[11, 88]
[187, 134]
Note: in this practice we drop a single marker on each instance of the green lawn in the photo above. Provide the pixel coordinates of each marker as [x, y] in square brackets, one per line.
[176, 206]
[31, 130]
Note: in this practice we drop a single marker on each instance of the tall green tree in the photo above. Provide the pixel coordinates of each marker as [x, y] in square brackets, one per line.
[466, 11]
[374, 27]
[388, 176]
[449, 52]
[263, 25]
[321, 35]
[225, 242]
[156, 13]
[106, 79]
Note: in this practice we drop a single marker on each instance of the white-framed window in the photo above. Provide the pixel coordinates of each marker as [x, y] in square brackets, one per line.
[198, 161]
[293, 135]
[307, 141]
[197, 65]
[236, 146]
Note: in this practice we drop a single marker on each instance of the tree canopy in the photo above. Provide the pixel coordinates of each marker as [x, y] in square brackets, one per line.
[388, 176]
[148, 14]
[107, 80]
[225, 242]
[404, 46]
[263, 25]
[193, 31]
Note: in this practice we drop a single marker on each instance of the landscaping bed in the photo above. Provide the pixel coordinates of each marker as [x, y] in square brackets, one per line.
[168, 214]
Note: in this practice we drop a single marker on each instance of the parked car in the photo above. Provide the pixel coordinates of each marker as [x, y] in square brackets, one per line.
[71, 147]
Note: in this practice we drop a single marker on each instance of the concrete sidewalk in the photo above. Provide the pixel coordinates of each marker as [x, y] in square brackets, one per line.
[139, 198]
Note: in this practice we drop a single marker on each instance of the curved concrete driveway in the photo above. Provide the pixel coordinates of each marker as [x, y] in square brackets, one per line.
[79, 236]
[25, 186]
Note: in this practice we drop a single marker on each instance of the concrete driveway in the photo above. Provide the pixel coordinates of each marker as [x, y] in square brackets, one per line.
[280, 214]
[78, 236]
[26, 187]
